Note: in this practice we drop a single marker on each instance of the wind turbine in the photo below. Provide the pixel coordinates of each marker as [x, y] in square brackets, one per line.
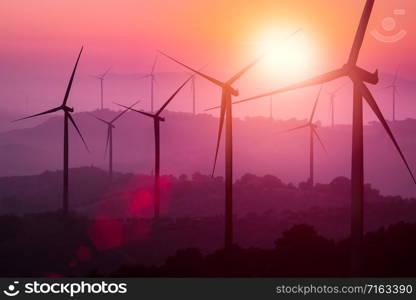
[332, 96]
[109, 142]
[227, 91]
[225, 116]
[313, 133]
[358, 77]
[156, 124]
[67, 116]
[193, 91]
[151, 75]
[101, 78]
[395, 92]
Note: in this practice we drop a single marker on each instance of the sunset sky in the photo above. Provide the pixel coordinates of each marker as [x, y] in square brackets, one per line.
[40, 40]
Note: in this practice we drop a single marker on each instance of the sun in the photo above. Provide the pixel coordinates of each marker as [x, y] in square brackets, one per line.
[287, 56]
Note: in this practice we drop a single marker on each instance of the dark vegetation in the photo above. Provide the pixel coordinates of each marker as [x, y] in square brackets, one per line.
[47, 245]
[110, 231]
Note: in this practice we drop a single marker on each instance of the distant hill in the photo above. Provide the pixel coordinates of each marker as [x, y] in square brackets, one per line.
[200, 196]
[188, 143]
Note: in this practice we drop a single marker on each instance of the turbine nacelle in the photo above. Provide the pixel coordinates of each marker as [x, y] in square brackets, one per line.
[231, 90]
[67, 108]
[358, 74]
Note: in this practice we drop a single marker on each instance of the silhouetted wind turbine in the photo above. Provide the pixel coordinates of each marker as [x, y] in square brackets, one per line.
[313, 133]
[226, 116]
[358, 77]
[193, 90]
[67, 116]
[156, 123]
[109, 142]
[332, 96]
[151, 75]
[101, 78]
[395, 92]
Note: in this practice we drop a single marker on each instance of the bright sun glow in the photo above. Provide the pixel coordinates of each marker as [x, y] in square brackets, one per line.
[289, 58]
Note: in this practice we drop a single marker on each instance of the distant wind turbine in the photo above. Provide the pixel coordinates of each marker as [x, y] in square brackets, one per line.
[193, 90]
[156, 123]
[395, 92]
[332, 97]
[67, 116]
[152, 77]
[313, 133]
[109, 142]
[359, 78]
[101, 78]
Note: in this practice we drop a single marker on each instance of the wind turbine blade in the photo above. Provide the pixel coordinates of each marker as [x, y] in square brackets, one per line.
[145, 76]
[221, 125]
[373, 104]
[212, 108]
[138, 111]
[40, 114]
[99, 119]
[105, 73]
[252, 64]
[359, 35]
[213, 80]
[319, 140]
[173, 95]
[123, 112]
[244, 70]
[321, 79]
[107, 142]
[316, 103]
[296, 128]
[154, 64]
[339, 88]
[77, 129]
[68, 88]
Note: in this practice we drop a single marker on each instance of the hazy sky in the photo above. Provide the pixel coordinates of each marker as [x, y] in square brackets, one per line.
[40, 40]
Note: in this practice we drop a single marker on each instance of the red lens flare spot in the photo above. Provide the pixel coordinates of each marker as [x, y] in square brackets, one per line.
[165, 192]
[84, 253]
[106, 233]
[141, 203]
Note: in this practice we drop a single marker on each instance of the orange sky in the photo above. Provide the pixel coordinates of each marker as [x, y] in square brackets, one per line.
[41, 37]
[127, 29]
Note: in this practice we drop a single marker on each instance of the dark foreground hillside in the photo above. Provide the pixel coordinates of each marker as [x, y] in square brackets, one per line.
[48, 245]
[110, 230]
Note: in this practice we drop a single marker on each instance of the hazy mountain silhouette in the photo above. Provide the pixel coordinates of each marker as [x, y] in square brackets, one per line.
[326, 206]
[188, 145]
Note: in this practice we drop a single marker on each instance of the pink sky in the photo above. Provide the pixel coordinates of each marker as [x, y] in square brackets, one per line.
[40, 40]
